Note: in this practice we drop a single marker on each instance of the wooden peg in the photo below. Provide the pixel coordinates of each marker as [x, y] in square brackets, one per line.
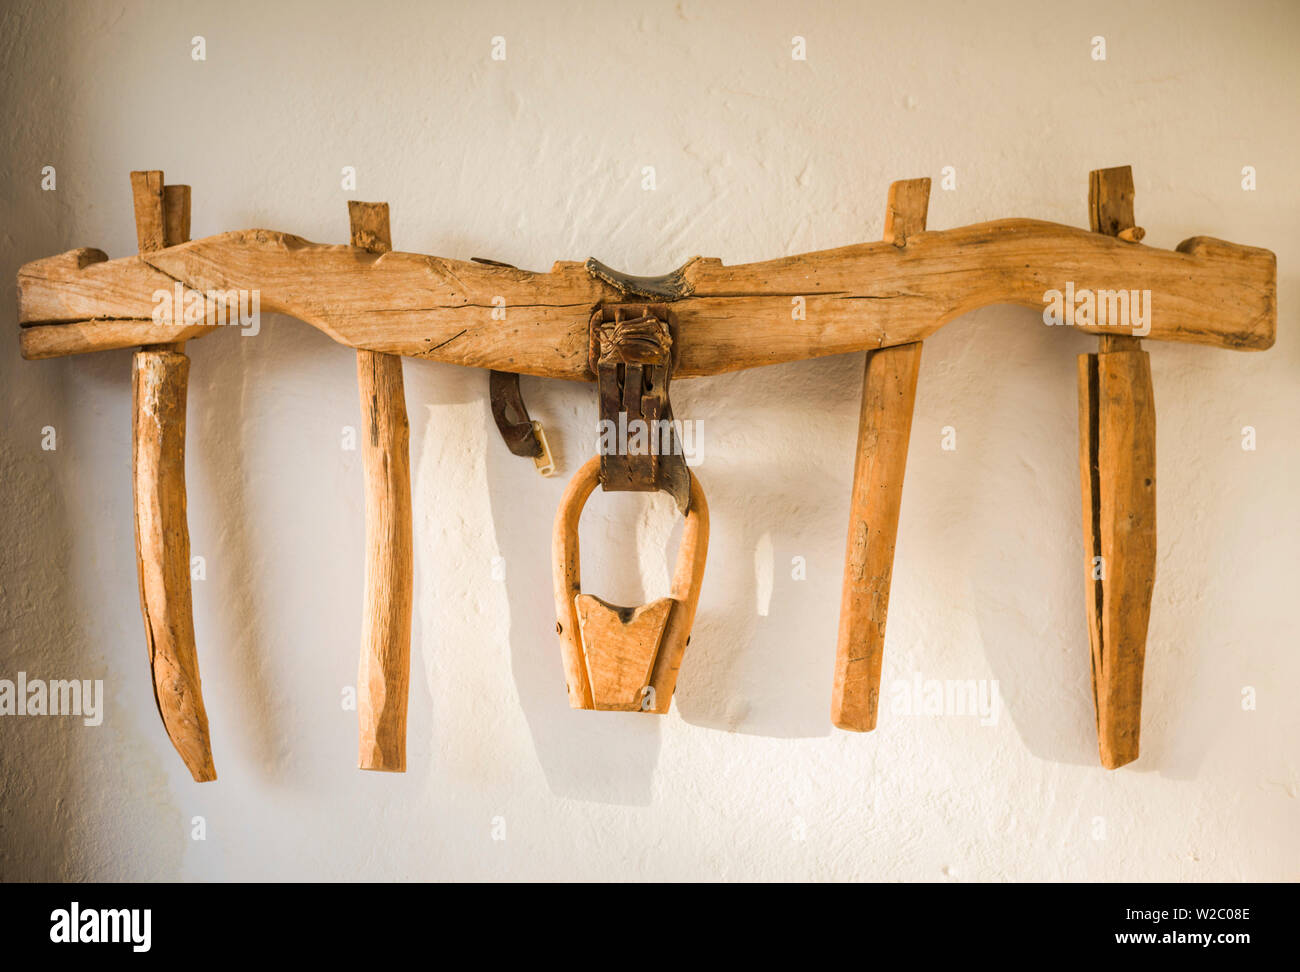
[384, 679]
[884, 428]
[159, 388]
[1117, 462]
[150, 218]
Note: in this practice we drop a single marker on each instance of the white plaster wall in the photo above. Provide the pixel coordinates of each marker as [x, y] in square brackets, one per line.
[539, 158]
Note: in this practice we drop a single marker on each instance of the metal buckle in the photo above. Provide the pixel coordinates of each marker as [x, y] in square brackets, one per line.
[630, 351]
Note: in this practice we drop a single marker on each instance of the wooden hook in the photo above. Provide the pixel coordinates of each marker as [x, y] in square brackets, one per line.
[159, 388]
[884, 427]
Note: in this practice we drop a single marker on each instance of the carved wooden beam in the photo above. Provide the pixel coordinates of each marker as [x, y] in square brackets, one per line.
[856, 298]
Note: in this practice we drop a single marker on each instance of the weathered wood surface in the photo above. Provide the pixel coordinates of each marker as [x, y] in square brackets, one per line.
[384, 672]
[620, 646]
[884, 428]
[159, 383]
[383, 683]
[588, 690]
[857, 297]
[1117, 461]
[159, 388]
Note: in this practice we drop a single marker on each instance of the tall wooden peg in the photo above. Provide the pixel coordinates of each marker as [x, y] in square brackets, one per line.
[159, 387]
[1117, 463]
[385, 671]
[884, 427]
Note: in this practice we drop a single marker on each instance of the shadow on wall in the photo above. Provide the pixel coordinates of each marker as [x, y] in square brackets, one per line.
[1005, 500]
[748, 668]
[599, 756]
[1016, 501]
[761, 659]
[54, 774]
[232, 381]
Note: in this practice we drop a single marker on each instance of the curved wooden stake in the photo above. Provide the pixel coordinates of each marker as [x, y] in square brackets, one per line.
[1117, 460]
[159, 382]
[884, 428]
[159, 387]
[383, 682]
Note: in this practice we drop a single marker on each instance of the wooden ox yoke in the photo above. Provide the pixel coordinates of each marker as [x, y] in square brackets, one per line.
[631, 336]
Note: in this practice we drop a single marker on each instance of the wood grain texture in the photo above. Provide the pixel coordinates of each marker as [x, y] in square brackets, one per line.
[1110, 200]
[1111, 212]
[619, 646]
[159, 382]
[159, 389]
[176, 214]
[688, 577]
[150, 218]
[857, 297]
[383, 685]
[567, 577]
[884, 429]
[1117, 462]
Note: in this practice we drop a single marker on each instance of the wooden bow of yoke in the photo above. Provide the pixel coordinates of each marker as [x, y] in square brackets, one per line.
[632, 336]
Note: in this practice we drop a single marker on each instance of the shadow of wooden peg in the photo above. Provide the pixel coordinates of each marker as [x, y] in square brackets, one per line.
[884, 428]
[1117, 465]
[159, 389]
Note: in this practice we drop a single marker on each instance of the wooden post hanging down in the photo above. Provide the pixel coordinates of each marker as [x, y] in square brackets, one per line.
[159, 386]
[884, 427]
[385, 670]
[1117, 465]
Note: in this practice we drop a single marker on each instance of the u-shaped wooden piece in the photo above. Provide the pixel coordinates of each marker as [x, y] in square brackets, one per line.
[624, 659]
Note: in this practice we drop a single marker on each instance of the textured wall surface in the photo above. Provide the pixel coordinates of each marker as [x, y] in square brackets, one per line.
[539, 157]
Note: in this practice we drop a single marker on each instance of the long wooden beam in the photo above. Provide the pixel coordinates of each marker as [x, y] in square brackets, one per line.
[854, 298]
